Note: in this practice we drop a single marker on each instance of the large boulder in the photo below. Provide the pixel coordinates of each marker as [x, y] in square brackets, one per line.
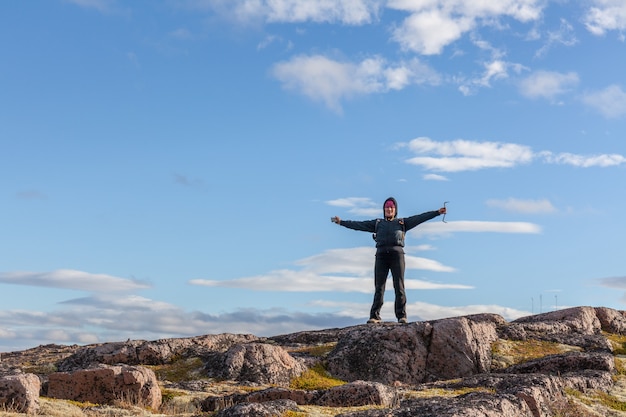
[461, 346]
[418, 352]
[259, 363]
[612, 321]
[20, 393]
[106, 384]
[383, 353]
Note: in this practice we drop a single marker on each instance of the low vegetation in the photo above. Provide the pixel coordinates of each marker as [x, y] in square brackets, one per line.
[315, 378]
[512, 352]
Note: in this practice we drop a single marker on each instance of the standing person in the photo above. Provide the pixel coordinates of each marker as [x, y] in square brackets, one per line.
[389, 236]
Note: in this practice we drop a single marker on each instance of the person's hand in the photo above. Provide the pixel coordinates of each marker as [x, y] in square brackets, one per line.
[442, 210]
[335, 219]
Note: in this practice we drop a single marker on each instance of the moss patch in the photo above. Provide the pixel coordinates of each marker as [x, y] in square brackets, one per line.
[315, 378]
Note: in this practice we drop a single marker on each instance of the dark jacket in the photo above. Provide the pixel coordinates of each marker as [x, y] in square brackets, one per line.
[389, 233]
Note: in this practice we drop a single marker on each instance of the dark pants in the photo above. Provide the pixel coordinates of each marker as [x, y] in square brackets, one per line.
[391, 259]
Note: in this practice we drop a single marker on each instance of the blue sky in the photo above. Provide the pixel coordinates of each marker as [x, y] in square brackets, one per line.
[169, 168]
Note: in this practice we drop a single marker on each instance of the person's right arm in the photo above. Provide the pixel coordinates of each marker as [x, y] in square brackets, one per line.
[364, 226]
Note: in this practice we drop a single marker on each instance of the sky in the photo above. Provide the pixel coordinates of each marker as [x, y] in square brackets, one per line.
[169, 168]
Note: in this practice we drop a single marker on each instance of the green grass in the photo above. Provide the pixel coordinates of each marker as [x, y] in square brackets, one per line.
[315, 378]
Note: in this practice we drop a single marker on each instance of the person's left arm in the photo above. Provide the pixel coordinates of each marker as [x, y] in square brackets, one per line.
[412, 221]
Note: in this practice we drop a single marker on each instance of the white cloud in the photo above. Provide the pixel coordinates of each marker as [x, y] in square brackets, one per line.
[350, 12]
[611, 102]
[435, 177]
[523, 206]
[606, 15]
[548, 84]
[434, 24]
[72, 279]
[429, 31]
[440, 228]
[321, 78]
[463, 155]
[359, 206]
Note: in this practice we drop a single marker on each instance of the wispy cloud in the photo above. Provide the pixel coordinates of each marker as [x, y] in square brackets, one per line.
[360, 206]
[605, 15]
[351, 12]
[331, 81]
[616, 283]
[435, 177]
[548, 84]
[563, 36]
[610, 102]
[463, 155]
[523, 206]
[109, 7]
[31, 195]
[613, 282]
[186, 181]
[72, 279]
[338, 270]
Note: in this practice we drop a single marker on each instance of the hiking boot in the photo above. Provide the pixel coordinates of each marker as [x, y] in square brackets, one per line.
[373, 321]
[403, 320]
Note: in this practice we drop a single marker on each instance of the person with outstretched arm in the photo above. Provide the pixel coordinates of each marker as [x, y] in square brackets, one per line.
[389, 233]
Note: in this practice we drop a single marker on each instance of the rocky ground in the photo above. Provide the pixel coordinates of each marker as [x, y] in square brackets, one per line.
[563, 363]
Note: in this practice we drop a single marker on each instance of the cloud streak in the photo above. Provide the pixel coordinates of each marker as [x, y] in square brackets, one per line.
[72, 279]
[523, 206]
[463, 155]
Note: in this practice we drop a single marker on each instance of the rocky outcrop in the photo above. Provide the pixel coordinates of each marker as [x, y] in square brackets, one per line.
[141, 352]
[454, 363]
[107, 384]
[268, 409]
[20, 393]
[354, 394]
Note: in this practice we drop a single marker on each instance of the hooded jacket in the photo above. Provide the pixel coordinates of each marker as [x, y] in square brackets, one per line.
[389, 233]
